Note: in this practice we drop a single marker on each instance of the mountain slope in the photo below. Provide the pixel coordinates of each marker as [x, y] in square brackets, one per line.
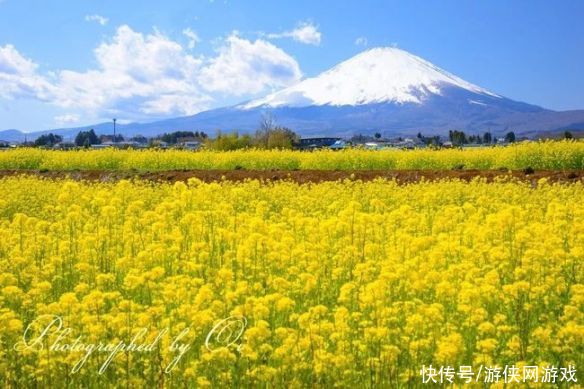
[11, 135]
[381, 75]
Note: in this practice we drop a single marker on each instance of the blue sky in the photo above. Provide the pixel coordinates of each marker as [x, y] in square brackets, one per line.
[74, 63]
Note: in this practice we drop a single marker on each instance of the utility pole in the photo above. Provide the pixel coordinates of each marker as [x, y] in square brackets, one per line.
[115, 130]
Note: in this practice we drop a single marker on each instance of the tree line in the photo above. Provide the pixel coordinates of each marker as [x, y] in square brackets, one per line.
[269, 135]
[459, 138]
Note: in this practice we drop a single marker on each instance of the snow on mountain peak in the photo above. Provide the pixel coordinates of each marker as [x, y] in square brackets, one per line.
[378, 75]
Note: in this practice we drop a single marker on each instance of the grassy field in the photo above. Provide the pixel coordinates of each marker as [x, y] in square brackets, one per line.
[535, 155]
[347, 284]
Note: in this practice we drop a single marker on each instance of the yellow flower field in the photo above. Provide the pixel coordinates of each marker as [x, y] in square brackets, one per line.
[340, 284]
[536, 155]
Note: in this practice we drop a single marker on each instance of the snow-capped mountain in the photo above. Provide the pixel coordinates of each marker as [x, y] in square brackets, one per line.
[391, 91]
[384, 90]
[380, 75]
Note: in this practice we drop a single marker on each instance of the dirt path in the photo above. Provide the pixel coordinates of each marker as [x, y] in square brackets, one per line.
[304, 176]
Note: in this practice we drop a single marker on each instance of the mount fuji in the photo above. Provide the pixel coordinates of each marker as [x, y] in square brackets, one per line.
[391, 91]
[386, 90]
[377, 76]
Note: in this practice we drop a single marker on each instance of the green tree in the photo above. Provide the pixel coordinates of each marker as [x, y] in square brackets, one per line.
[48, 140]
[510, 137]
[281, 138]
[174, 137]
[457, 138]
[568, 135]
[140, 139]
[228, 142]
[271, 136]
[86, 138]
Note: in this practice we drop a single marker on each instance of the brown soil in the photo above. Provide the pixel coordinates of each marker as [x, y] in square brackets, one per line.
[305, 176]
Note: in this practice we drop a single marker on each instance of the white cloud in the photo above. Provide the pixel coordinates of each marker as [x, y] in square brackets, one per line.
[66, 119]
[19, 78]
[361, 41]
[306, 32]
[97, 18]
[12, 62]
[192, 36]
[148, 76]
[137, 75]
[245, 67]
